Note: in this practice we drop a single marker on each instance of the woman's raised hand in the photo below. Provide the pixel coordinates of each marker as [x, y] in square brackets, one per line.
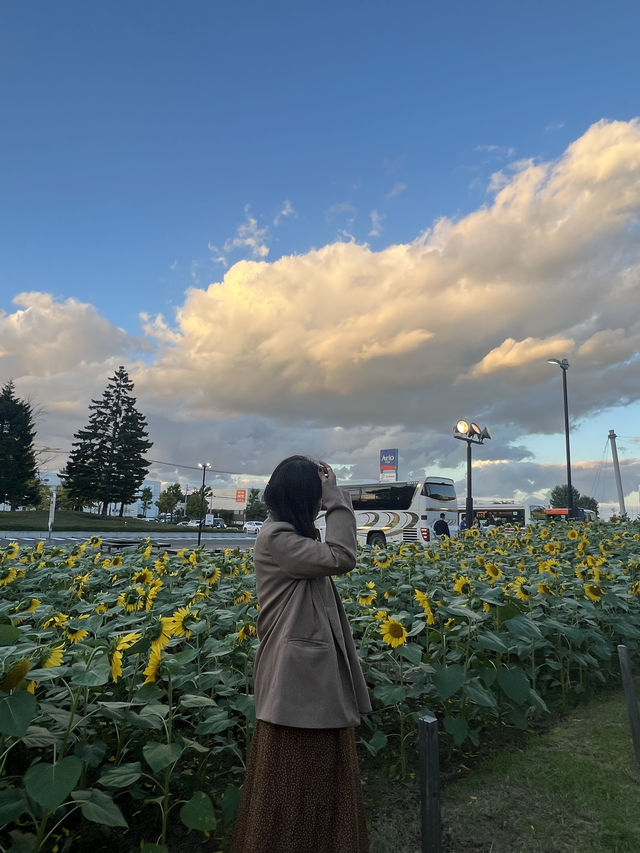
[326, 474]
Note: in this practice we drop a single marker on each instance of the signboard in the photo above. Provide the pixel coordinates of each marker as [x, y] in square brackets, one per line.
[389, 465]
[208, 519]
[241, 496]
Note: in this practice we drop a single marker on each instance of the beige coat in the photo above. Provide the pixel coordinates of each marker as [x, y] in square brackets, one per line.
[307, 673]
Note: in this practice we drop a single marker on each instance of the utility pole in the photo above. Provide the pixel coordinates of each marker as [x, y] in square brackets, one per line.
[616, 471]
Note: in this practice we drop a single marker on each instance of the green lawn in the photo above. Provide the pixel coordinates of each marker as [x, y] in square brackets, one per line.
[574, 789]
[67, 520]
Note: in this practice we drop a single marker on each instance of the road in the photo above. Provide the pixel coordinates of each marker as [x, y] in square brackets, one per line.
[211, 541]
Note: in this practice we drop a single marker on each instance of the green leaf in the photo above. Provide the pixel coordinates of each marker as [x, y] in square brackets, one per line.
[192, 700]
[412, 652]
[91, 753]
[50, 784]
[377, 742]
[245, 705]
[8, 635]
[515, 684]
[448, 680]
[390, 694]
[198, 813]
[479, 695]
[161, 755]
[97, 806]
[147, 847]
[214, 724]
[121, 776]
[12, 803]
[16, 713]
[457, 727]
[228, 802]
[93, 674]
[492, 642]
[523, 627]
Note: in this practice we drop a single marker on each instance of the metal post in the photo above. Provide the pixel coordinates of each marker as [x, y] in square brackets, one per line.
[469, 503]
[616, 471]
[632, 702]
[570, 509]
[204, 471]
[429, 785]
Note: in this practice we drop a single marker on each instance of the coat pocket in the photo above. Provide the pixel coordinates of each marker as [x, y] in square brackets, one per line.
[307, 642]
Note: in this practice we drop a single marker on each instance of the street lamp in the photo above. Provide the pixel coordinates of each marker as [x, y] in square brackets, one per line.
[204, 466]
[564, 366]
[471, 433]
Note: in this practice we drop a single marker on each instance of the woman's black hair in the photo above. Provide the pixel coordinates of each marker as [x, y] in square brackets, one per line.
[294, 492]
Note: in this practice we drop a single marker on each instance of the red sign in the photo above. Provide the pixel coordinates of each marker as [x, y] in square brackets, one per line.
[241, 496]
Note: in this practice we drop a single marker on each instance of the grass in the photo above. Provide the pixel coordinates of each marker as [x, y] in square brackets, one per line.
[574, 789]
[68, 520]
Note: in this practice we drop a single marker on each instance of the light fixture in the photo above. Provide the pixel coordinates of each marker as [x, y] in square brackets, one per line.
[470, 432]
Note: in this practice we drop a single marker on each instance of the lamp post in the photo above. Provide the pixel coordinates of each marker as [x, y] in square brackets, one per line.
[204, 466]
[472, 434]
[564, 366]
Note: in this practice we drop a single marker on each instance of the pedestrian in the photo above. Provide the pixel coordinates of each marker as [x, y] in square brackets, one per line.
[441, 528]
[463, 523]
[302, 790]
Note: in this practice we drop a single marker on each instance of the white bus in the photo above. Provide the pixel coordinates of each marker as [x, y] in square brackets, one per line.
[507, 515]
[400, 512]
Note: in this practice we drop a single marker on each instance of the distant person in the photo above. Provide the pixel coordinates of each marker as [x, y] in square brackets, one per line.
[441, 528]
[463, 523]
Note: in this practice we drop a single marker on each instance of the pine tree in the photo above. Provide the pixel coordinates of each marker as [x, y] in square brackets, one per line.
[18, 470]
[107, 461]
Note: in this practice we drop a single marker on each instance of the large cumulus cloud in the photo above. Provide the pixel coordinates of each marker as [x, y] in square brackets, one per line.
[462, 319]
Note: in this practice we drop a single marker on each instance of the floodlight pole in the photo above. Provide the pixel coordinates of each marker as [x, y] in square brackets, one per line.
[564, 366]
[204, 466]
[469, 502]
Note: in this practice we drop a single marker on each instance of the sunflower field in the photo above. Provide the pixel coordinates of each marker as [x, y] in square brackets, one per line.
[125, 681]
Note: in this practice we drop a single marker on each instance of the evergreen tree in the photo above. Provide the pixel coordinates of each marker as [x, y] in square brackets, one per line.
[107, 461]
[256, 509]
[559, 498]
[18, 473]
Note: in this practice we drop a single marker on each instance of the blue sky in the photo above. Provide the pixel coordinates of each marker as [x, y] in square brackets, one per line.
[150, 149]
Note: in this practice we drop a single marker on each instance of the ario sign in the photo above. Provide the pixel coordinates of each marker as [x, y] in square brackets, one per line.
[389, 465]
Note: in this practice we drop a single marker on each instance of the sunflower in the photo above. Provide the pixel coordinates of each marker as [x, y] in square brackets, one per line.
[382, 562]
[545, 589]
[54, 657]
[161, 632]
[635, 589]
[593, 591]
[462, 586]
[116, 660]
[132, 599]
[76, 636]
[143, 576]
[486, 607]
[572, 534]
[393, 632]
[247, 630]
[380, 615]
[16, 674]
[243, 598]
[180, 621]
[493, 571]
[56, 621]
[369, 596]
[210, 576]
[95, 541]
[423, 601]
[7, 575]
[151, 671]
[12, 550]
[520, 592]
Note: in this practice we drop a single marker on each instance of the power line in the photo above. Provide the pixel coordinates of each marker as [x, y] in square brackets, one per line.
[213, 470]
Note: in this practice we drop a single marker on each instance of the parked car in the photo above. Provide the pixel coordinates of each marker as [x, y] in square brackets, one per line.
[218, 522]
[252, 526]
[193, 523]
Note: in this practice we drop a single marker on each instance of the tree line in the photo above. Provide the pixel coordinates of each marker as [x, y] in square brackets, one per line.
[107, 464]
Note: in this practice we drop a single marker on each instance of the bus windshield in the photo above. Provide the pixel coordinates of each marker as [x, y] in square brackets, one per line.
[439, 491]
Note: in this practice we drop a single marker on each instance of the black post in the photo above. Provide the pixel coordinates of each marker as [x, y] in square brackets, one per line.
[204, 471]
[429, 785]
[469, 503]
[570, 509]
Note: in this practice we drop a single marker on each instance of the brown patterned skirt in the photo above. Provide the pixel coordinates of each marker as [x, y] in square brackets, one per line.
[301, 793]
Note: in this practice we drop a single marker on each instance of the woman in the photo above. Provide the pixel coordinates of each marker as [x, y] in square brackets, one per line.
[302, 788]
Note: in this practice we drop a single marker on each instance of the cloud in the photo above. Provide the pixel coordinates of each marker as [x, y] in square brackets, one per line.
[502, 151]
[339, 208]
[249, 237]
[376, 223]
[391, 346]
[397, 189]
[287, 210]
